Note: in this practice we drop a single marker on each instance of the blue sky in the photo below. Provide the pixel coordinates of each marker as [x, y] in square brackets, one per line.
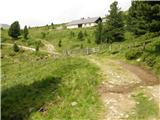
[42, 12]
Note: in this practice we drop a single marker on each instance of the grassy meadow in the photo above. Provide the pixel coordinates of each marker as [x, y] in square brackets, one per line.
[37, 87]
[34, 87]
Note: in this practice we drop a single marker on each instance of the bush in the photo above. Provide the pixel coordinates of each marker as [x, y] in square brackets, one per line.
[80, 36]
[15, 47]
[11, 53]
[60, 43]
[43, 35]
[149, 59]
[37, 45]
[157, 48]
[133, 54]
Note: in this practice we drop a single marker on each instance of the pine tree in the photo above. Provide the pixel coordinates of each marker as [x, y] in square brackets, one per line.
[14, 30]
[98, 33]
[52, 25]
[114, 28]
[25, 32]
[15, 47]
[143, 17]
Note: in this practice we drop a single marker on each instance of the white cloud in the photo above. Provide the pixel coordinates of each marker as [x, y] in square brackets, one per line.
[42, 12]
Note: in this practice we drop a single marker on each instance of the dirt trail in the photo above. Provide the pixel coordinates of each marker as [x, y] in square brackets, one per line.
[120, 79]
[49, 47]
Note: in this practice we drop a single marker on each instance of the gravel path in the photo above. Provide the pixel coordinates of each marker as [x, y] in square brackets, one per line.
[120, 80]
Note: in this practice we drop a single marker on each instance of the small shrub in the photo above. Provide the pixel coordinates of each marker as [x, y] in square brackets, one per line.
[11, 53]
[149, 59]
[15, 47]
[133, 54]
[80, 36]
[115, 52]
[60, 43]
[43, 35]
[37, 45]
[157, 48]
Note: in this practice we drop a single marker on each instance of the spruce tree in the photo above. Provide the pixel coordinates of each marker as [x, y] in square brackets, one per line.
[14, 30]
[52, 25]
[15, 47]
[25, 32]
[114, 28]
[143, 17]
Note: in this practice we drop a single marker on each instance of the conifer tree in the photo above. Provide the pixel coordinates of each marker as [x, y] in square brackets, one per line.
[143, 17]
[114, 28]
[14, 30]
[25, 32]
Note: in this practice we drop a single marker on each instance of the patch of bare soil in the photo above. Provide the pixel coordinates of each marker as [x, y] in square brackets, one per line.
[120, 80]
[148, 78]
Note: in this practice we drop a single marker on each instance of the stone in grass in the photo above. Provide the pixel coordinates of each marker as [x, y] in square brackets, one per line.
[74, 103]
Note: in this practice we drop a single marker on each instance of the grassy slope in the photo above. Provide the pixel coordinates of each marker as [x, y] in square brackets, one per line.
[64, 89]
[149, 58]
[68, 37]
[146, 108]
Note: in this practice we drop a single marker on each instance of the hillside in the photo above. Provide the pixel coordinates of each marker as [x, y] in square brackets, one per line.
[107, 72]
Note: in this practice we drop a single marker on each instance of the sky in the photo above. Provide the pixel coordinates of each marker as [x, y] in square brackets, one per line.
[42, 12]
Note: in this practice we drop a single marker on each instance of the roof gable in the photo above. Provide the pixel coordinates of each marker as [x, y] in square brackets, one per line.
[84, 21]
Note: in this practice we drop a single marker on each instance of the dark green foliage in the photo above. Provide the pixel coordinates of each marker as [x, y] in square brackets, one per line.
[133, 54]
[1, 28]
[37, 45]
[157, 48]
[80, 36]
[25, 32]
[144, 16]
[15, 47]
[43, 35]
[98, 33]
[52, 25]
[14, 30]
[149, 59]
[114, 28]
[60, 43]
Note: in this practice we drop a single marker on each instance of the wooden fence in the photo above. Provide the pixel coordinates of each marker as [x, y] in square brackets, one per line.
[102, 48]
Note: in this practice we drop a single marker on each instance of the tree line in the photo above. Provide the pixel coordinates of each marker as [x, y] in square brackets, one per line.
[141, 18]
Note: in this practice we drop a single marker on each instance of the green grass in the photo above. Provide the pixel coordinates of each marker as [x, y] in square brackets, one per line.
[29, 84]
[67, 36]
[149, 57]
[145, 108]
